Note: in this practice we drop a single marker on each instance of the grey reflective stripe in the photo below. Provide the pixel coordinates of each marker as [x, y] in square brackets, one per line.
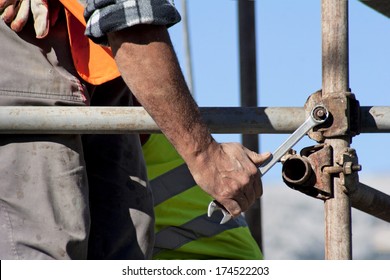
[171, 238]
[171, 183]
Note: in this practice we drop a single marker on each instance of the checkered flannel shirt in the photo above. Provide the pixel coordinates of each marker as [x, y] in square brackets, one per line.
[104, 16]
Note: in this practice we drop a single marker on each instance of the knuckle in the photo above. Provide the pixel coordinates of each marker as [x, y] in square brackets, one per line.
[235, 211]
[246, 181]
[234, 186]
[232, 207]
[253, 170]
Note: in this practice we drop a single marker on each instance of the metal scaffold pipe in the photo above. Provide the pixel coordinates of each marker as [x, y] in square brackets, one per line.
[371, 201]
[118, 120]
[248, 93]
[335, 81]
[187, 47]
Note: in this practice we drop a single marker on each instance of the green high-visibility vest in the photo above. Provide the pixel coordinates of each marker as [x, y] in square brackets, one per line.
[183, 230]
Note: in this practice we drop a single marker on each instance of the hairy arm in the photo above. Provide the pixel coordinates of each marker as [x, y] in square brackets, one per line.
[148, 64]
[149, 67]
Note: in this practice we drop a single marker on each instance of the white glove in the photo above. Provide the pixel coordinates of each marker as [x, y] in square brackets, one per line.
[16, 12]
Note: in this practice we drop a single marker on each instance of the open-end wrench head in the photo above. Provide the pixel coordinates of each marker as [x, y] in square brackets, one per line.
[226, 217]
[213, 206]
[211, 209]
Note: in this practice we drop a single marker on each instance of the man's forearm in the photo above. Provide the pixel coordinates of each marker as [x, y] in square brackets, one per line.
[149, 66]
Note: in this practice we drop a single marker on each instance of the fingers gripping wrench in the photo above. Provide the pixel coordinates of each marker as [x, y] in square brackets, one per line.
[318, 115]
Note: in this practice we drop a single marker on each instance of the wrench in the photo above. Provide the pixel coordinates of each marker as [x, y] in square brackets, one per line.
[318, 115]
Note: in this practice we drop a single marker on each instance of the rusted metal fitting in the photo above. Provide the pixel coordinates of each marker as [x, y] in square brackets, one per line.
[305, 173]
[344, 119]
[290, 153]
[298, 174]
[297, 170]
[348, 168]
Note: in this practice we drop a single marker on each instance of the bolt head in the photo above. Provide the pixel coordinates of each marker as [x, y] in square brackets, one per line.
[320, 113]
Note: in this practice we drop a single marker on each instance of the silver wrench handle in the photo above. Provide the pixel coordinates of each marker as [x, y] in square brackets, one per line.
[317, 116]
[312, 121]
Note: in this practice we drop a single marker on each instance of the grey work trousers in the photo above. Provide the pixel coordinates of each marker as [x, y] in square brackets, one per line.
[49, 209]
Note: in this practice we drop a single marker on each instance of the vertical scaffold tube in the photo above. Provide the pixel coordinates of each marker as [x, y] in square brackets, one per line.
[335, 80]
[248, 89]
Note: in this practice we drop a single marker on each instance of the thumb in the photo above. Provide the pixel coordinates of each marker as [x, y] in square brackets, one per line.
[259, 159]
[40, 11]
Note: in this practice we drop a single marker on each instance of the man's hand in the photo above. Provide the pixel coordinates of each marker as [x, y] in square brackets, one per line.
[16, 13]
[229, 173]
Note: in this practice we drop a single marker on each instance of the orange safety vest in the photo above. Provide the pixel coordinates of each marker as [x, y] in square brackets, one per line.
[94, 63]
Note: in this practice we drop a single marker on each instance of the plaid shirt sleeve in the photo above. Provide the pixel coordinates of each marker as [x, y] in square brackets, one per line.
[104, 16]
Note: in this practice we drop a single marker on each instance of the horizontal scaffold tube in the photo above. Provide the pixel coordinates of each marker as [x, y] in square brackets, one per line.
[371, 201]
[118, 120]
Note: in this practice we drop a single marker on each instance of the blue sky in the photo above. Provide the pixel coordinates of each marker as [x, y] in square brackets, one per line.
[289, 63]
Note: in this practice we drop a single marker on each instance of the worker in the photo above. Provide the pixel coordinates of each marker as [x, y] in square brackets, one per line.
[48, 209]
[183, 230]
